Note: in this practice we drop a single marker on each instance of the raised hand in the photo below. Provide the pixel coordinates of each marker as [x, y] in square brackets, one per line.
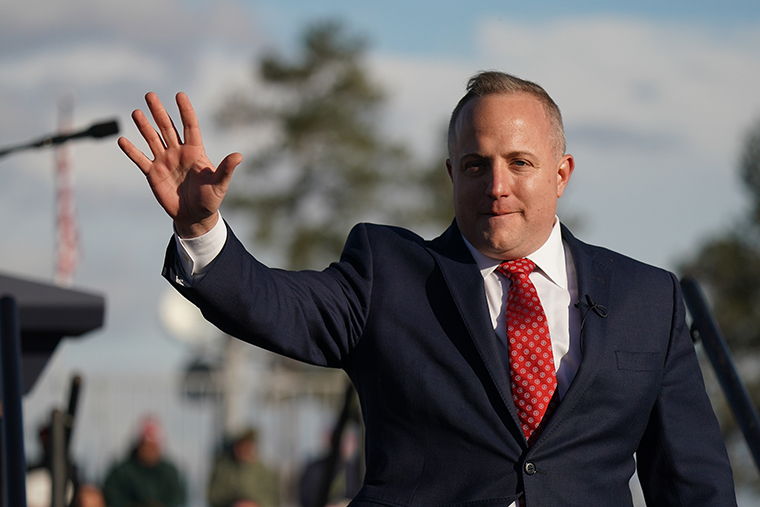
[183, 179]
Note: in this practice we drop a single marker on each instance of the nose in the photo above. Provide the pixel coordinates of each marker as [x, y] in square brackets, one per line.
[499, 183]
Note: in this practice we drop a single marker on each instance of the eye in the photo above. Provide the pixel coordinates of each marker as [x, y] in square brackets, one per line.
[475, 166]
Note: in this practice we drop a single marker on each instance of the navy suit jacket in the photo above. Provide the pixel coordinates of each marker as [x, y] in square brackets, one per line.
[407, 320]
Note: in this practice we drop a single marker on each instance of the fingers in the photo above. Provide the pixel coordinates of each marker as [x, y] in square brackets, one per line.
[150, 135]
[169, 137]
[192, 132]
[134, 154]
[163, 121]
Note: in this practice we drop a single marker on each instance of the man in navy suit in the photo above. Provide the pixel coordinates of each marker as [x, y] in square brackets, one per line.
[425, 329]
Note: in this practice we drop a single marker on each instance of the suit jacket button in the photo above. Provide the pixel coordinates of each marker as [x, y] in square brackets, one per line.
[530, 468]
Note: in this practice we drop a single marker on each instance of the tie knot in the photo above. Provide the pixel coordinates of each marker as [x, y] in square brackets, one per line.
[516, 266]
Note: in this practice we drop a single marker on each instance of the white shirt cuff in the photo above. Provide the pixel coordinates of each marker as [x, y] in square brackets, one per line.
[197, 255]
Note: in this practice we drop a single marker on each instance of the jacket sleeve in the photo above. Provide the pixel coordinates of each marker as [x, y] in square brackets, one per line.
[310, 316]
[681, 459]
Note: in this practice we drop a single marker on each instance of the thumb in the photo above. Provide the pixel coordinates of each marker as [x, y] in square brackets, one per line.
[226, 167]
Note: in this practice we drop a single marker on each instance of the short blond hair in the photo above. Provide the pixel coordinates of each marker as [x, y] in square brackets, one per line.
[494, 82]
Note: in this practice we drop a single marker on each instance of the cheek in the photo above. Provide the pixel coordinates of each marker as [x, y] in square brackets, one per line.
[469, 189]
[542, 194]
[460, 195]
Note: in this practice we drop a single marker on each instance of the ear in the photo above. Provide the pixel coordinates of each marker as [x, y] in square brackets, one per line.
[448, 168]
[564, 171]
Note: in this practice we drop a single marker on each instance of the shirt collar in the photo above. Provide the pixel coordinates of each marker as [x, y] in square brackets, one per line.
[549, 258]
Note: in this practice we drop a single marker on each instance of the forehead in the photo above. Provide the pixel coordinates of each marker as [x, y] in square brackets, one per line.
[514, 114]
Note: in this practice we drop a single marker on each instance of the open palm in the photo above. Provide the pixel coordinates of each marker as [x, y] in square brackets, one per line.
[182, 178]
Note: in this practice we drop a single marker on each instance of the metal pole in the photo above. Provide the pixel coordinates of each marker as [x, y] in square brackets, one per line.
[14, 465]
[71, 411]
[722, 362]
[334, 458]
[59, 463]
[3, 467]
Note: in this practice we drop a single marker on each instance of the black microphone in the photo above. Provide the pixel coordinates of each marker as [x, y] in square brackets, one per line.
[97, 130]
[104, 129]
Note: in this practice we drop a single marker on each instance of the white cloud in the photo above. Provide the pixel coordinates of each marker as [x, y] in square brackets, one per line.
[651, 77]
[157, 24]
[107, 55]
[86, 66]
[421, 94]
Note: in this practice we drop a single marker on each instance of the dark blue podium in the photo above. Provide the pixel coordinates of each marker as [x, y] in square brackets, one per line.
[34, 317]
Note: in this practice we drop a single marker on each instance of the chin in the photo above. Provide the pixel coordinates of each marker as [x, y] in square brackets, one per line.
[505, 248]
[493, 249]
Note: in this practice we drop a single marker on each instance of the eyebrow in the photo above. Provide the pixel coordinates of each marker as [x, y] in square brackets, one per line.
[513, 154]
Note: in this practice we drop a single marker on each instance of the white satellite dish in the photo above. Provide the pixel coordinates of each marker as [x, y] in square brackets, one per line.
[184, 321]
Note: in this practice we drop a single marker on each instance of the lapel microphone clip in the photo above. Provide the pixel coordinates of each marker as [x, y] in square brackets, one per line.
[600, 310]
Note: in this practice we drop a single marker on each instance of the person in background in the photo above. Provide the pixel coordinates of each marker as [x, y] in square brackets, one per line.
[239, 479]
[89, 495]
[145, 478]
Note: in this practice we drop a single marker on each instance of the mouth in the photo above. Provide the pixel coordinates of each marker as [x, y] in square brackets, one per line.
[500, 213]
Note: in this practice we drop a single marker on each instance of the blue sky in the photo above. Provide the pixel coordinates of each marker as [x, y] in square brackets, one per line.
[656, 97]
[435, 28]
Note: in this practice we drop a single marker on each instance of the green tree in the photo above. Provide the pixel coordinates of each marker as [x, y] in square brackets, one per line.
[327, 165]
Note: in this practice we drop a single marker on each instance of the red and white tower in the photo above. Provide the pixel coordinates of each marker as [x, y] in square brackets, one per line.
[67, 240]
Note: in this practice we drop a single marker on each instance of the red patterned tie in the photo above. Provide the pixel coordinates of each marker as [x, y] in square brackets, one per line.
[531, 360]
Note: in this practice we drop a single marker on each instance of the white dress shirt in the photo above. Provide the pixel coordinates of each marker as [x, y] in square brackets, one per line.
[197, 255]
[556, 284]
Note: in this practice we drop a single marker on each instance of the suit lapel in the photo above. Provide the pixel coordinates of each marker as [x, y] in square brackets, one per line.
[465, 283]
[595, 281]
[466, 286]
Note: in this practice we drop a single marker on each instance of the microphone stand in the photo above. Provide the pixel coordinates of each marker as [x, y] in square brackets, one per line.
[97, 130]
